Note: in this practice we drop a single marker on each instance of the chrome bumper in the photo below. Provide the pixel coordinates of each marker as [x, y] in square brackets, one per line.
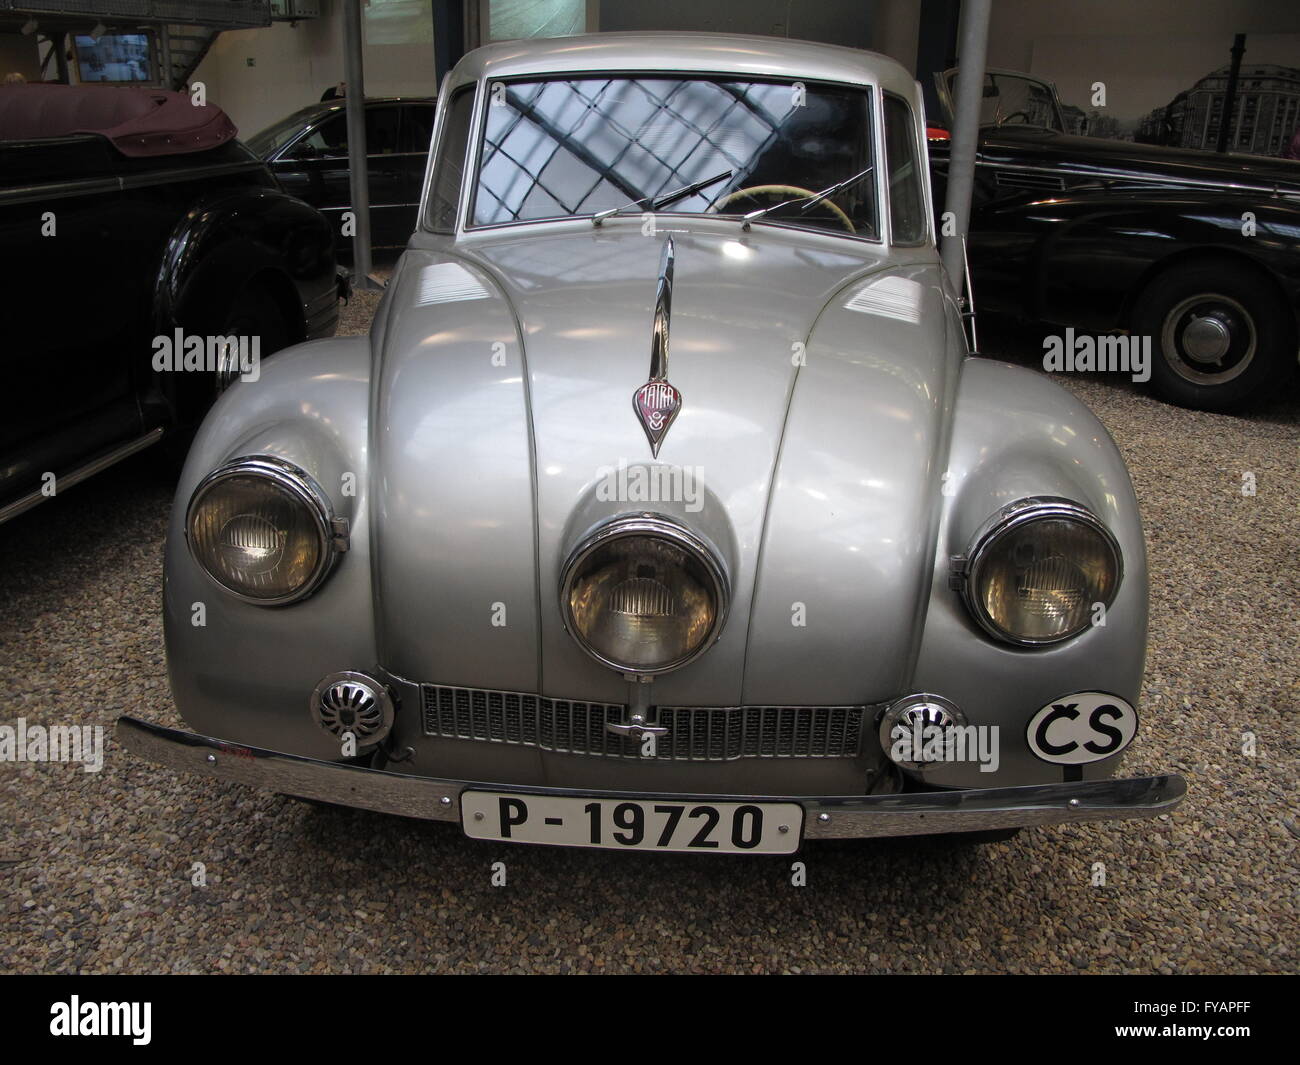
[826, 817]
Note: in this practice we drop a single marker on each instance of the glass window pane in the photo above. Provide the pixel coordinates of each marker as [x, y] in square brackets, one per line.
[330, 138]
[906, 213]
[450, 168]
[381, 130]
[557, 148]
[509, 20]
[417, 127]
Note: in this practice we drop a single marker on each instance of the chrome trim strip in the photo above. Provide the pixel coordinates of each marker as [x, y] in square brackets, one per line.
[657, 403]
[826, 817]
[1113, 177]
[81, 473]
[663, 314]
[331, 531]
[89, 186]
[60, 190]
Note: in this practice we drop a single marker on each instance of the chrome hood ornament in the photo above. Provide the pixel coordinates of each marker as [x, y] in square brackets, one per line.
[657, 402]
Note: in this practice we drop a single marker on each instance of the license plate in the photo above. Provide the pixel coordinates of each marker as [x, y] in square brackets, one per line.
[633, 824]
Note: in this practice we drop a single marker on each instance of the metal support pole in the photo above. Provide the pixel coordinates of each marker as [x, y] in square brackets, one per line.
[449, 34]
[164, 56]
[973, 50]
[61, 57]
[355, 99]
[1230, 96]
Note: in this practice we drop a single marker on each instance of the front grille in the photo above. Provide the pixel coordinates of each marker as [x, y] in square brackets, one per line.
[695, 734]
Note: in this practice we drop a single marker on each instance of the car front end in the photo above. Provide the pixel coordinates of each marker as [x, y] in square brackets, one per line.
[659, 527]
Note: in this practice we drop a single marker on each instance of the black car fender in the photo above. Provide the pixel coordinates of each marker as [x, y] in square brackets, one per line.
[226, 242]
[1077, 274]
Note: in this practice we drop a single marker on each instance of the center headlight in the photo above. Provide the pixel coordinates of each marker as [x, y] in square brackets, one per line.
[643, 595]
[262, 529]
[1038, 570]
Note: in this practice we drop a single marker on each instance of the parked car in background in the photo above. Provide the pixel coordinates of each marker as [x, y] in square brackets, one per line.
[1196, 250]
[131, 220]
[507, 563]
[308, 153]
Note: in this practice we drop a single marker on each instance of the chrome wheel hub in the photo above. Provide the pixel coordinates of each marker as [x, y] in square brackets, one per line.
[1208, 339]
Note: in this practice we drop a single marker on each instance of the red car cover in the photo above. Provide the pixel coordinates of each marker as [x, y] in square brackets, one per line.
[138, 121]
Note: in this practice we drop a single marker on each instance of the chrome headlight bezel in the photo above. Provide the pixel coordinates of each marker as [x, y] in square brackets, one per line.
[1009, 519]
[298, 483]
[654, 526]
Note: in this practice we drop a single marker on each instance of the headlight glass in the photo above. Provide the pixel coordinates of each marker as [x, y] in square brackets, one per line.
[1036, 575]
[260, 529]
[643, 595]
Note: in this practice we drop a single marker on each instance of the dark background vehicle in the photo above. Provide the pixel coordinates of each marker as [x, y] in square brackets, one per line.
[1200, 251]
[308, 152]
[125, 214]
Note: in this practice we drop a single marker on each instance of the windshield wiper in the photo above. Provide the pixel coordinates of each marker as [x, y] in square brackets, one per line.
[659, 203]
[809, 202]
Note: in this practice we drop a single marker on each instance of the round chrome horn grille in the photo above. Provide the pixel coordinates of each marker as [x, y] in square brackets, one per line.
[351, 702]
[913, 714]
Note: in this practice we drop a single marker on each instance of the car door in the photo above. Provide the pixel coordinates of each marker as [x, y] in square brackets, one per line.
[389, 196]
[316, 168]
[76, 316]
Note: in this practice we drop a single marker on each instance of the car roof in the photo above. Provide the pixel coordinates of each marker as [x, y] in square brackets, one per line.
[314, 112]
[714, 53]
[372, 101]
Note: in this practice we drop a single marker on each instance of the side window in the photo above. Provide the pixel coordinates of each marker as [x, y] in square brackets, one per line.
[381, 130]
[449, 170]
[417, 128]
[329, 139]
[906, 198]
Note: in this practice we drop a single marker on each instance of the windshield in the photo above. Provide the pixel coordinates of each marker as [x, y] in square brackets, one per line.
[1016, 100]
[278, 134]
[559, 148]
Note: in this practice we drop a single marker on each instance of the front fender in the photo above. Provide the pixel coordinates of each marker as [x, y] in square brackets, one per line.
[1018, 434]
[226, 240]
[245, 672]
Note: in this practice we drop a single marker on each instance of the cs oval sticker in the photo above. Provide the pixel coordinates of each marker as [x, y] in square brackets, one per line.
[1083, 727]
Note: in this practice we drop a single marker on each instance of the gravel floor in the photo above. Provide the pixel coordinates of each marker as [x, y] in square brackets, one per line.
[97, 868]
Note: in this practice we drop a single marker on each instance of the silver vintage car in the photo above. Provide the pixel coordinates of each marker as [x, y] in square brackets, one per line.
[663, 507]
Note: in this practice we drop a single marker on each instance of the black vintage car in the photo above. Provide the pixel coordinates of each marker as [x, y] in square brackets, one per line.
[133, 224]
[1198, 251]
[308, 152]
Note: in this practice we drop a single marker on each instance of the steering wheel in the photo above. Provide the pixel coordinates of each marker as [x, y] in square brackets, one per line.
[1024, 115]
[789, 191]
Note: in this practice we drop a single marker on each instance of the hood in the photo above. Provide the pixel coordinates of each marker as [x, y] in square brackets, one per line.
[812, 379]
